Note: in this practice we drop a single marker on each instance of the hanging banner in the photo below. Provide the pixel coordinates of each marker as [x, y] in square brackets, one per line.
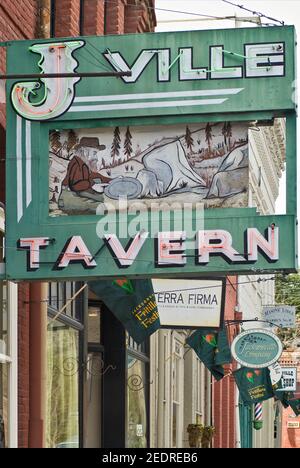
[190, 303]
[212, 349]
[132, 302]
[254, 385]
[295, 405]
[256, 348]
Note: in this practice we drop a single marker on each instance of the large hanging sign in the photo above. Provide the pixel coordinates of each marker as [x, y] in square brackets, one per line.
[147, 172]
[256, 348]
[190, 303]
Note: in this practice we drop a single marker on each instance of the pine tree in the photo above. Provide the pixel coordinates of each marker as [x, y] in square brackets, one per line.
[115, 147]
[128, 144]
[224, 133]
[189, 140]
[208, 137]
[55, 142]
[72, 142]
[229, 134]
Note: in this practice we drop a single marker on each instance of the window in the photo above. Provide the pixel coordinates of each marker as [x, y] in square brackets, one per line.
[60, 294]
[64, 370]
[63, 386]
[137, 394]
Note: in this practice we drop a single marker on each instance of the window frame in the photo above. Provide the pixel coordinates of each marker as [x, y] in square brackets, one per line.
[140, 353]
[76, 324]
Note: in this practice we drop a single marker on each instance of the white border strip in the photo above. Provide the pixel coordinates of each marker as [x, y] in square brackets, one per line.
[147, 105]
[28, 164]
[174, 94]
[19, 170]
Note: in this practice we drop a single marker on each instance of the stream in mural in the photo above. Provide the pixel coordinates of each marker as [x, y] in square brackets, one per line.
[193, 163]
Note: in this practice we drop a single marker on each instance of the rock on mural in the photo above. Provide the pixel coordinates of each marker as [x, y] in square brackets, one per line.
[193, 163]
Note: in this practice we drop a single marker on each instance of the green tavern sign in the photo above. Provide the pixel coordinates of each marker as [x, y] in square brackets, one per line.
[145, 174]
[256, 348]
[197, 72]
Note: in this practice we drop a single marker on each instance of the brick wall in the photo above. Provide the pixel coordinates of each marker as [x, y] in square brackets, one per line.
[67, 18]
[224, 392]
[93, 18]
[17, 21]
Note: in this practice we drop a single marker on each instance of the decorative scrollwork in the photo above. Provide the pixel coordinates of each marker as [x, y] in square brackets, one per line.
[70, 366]
[94, 366]
[136, 383]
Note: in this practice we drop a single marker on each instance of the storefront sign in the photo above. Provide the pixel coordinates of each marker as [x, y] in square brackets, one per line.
[197, 71]
[283, 316]
[190, 303]
[275, 373]
[289, 379]
[170, 139]
[256, 348]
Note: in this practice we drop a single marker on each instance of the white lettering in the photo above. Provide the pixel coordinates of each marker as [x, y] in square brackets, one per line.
[216, 242]
[171, 248]
[125, 258]
[270, 247]
[76, 251]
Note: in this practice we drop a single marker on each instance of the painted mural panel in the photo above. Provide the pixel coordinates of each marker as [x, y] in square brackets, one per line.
[194, 163]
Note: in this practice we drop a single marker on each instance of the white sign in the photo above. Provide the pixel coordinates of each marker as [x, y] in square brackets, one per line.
[139, 430]
[293, 424]
[275, 373]
[283, 316]
[289, 379]
[189, 303]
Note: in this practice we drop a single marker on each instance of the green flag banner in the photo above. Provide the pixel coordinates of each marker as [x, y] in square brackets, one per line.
[282, 396]
[254, 385]
[212, 349]
[295, 405]
[132, 302]
[223, 353]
